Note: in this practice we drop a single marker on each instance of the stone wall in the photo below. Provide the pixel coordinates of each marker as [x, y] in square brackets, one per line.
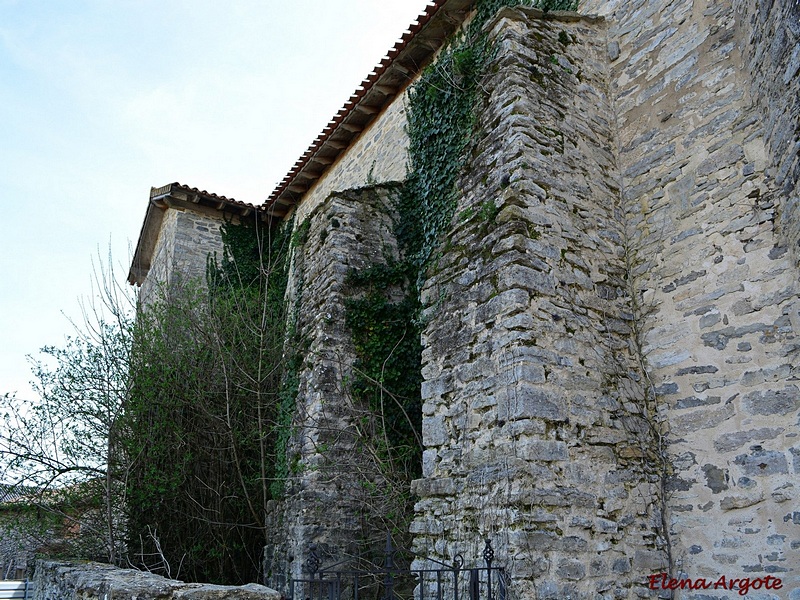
[610, 356]
[771, 44]
[378, 156]
[326, 501]
[537, 429]
[95, 581]
[185, 240]
[701, 160]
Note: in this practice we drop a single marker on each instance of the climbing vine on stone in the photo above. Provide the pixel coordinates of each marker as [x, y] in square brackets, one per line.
[384, 312]
[441, 123]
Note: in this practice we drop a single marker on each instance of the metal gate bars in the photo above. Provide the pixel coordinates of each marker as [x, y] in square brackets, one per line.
[423, 579]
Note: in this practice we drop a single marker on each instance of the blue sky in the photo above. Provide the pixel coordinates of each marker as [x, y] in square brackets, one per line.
[102, 99]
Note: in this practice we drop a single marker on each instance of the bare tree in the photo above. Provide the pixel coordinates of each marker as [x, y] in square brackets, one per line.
[58, 451]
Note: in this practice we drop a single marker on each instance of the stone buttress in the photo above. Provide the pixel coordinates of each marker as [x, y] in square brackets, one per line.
[536, 422]
[326, 500]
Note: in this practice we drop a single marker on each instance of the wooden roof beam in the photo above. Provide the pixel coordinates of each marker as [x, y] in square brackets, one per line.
[367, 110]
[386, 90]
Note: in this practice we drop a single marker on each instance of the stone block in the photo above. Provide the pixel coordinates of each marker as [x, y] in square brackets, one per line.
[731, 441]
[772, 402]
[435, 388]
[648, 561]
[525, 401]
[763, 463]
[741, 500]
[434, 432]
[544, 450]
[702, 419]
[56, 580]
[429, 457]
[751, 378]
[570, 569]
[440, 486]
[524, 278]
[505, 303]
[716, 478]
[524, 372]
[621, 566]
[480, 368]
[694, 402]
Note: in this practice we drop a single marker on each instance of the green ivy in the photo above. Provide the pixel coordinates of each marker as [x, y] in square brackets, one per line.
[290, 383]
[386, 338]
[548, 5]
[441, 126]
[202, 411]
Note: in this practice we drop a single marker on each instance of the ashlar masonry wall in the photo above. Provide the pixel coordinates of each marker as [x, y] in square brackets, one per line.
[537, 430]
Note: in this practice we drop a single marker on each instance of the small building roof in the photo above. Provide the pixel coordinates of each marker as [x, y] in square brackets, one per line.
[389, 79]
[182, 197]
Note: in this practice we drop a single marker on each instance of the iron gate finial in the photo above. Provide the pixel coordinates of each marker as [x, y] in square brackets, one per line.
[488, 553]
[313, 559]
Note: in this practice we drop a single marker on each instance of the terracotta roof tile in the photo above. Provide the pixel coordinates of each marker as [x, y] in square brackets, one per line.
[282, 191]
[155, 192]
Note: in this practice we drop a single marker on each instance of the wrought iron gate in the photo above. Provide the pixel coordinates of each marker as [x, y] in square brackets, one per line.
[423, 579]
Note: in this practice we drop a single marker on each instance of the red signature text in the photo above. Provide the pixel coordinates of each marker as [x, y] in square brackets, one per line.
[662, 581]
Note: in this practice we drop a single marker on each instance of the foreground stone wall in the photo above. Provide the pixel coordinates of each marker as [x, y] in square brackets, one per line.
[96, 581]
[702, 150]
[536, 428]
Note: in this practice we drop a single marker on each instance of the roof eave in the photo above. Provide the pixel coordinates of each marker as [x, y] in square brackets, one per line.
[180, 197]
[390, 78]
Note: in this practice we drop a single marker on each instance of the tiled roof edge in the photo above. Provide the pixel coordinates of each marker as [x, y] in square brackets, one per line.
[281, 191]
[170, 187]
[159, 201]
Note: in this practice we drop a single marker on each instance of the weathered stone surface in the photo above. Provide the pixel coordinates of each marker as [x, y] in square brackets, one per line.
[735, 440]
[772, 402]
[529, 449]
[652, 158]
[762, 463]
[740, 501]
[716, 478]
[54, 580]
[185, 241]
[526, 401]
[324, 492]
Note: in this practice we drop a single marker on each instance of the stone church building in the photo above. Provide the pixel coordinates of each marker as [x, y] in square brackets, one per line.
[612, 321]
